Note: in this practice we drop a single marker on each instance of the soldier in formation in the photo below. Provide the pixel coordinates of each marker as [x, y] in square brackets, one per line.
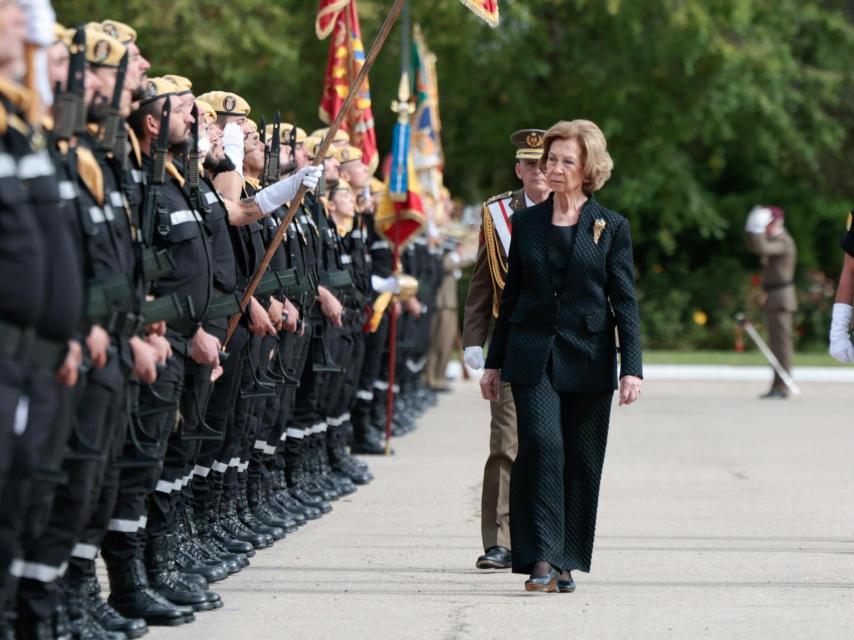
[135, 423]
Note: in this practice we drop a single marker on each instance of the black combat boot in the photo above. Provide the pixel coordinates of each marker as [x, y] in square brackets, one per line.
[234, 527]
[83, 625]
[107, 616]
[190, 558]
[297, 485]
[248, 518]
[266, 512]
[198, 530]
[133, 597]
[166, 581]
[215, 517]
[283, 496]
[343, 463]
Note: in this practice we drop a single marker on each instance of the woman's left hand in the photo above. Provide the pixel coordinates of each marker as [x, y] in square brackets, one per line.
[489, 383]
[630, 389]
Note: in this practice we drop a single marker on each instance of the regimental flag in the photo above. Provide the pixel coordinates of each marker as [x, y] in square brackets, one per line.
[426, 123]
[486, 10]
[398, 221]
[340, 18]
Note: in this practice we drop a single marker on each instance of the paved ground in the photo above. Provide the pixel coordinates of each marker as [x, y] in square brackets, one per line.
[721, 517]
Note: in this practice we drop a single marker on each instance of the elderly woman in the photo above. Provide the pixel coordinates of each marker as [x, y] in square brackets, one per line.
[570, 282]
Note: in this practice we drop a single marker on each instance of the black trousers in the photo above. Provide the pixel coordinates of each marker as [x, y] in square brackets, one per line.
[554, 483]
[75, 499]
[126, 536]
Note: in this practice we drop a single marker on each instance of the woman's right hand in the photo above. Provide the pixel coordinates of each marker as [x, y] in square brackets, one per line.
[489, 384]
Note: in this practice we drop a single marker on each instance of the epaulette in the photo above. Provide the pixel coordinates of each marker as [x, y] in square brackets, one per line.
[23, 100]
[90, 173]
[134, 145]
[172, 170]
[500, 196]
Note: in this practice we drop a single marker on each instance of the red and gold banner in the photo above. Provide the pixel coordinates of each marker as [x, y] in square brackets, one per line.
[399, 222]
[340, 18]
[486, 10]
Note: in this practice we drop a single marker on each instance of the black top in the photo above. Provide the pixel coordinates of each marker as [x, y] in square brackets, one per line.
[560, 248]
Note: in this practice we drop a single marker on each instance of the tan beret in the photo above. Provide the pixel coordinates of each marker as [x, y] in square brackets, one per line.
[285, 133]
[119, 30]
[348, 154]
[226, 103]
[341, 185]
[311, 145]
[340, 136]
[103, 50]
[184, 85]
[157, 88]
[206, 110]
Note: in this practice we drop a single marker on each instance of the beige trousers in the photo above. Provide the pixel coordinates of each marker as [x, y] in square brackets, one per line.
[503, 443]
[444, 330]
[780, 341]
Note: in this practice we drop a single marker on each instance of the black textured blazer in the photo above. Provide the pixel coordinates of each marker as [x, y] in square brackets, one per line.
[574, 324]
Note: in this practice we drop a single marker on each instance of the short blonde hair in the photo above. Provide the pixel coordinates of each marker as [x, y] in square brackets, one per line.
[597, 161]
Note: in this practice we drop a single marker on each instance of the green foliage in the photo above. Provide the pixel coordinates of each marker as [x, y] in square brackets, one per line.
[709, 106]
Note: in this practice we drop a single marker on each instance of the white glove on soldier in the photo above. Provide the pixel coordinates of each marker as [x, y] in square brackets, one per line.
[40, 19]
[285, 190]
[840, 342]
[385, 285]
[203, 146]
[758, 219]
[232, 142]
[473, 357]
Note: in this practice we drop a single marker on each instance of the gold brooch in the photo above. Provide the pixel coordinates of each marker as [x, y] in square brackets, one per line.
[598, 226]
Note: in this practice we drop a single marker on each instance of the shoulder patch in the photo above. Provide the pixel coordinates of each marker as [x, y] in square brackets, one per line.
[500, 196]
[848, 224]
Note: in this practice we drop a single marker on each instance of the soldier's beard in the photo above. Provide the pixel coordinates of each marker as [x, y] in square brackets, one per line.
[218, 165]
[97, 109]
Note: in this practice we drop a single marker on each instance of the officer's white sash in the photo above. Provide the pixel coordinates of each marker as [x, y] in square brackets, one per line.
[500, 212]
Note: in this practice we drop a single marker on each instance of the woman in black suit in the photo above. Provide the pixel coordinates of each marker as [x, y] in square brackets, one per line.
[570, 282]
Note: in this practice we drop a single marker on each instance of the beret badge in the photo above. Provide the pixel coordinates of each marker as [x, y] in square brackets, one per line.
[101, 50]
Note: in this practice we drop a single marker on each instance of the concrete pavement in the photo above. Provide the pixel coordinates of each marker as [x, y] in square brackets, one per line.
[721, 517]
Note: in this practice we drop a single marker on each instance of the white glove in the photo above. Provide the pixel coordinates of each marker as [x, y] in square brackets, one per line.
[385, 285]
[473, 357]
[40, 21]
[285, 190]
[758, 219]
[232, 142]
[840, 342]
[204, 146]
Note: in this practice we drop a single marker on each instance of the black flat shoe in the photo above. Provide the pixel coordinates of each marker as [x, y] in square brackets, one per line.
[566, 586]
[546, 583]
[495, 558]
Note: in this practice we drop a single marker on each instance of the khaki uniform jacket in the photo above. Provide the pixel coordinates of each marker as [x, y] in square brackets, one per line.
[484, 292]
[779, 257]
[447, 297]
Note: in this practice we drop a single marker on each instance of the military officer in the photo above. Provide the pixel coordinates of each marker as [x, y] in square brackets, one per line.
[488, 277]
[766, 236]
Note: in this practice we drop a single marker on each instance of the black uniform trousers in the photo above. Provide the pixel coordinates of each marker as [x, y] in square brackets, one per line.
[34, 413]
[82, 562]
[47, 554]
[126, 535]
[214, 456]
[554, 483]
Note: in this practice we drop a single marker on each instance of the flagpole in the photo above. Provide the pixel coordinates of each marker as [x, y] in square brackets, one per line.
[376, 47]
